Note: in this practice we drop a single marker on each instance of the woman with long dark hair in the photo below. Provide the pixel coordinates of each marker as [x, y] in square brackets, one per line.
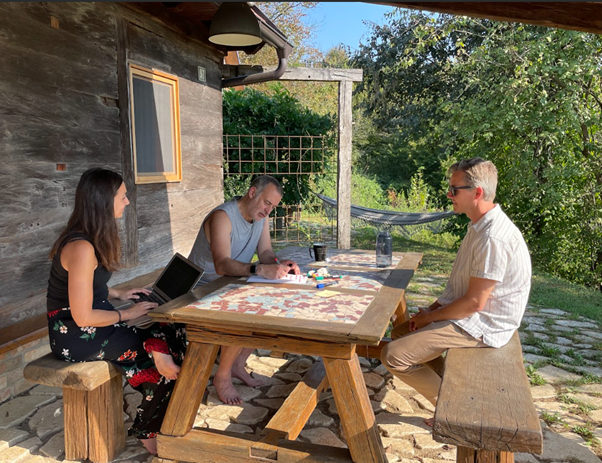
[84, 326]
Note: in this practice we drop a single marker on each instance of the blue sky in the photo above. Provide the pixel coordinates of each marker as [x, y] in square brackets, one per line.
[342, 22]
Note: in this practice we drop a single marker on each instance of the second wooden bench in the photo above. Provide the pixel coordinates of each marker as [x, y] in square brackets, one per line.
[485, 405]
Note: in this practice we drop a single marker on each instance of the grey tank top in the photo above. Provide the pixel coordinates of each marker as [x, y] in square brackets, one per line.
[243, 240]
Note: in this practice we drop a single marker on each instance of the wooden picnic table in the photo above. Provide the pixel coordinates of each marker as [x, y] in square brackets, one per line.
[289, 318]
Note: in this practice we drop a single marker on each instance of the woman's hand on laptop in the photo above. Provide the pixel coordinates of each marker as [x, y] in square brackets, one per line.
[138, 310]
[127, 294]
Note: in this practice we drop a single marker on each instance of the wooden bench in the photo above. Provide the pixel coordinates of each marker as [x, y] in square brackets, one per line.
[93, 405]
[485, 406]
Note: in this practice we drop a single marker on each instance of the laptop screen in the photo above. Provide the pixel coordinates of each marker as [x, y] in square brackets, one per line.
[179, 277]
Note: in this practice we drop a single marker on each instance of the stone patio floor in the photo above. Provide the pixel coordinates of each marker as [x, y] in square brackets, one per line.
[563, 357]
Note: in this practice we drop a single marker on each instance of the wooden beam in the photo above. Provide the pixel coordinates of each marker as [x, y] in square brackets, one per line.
[353, 404]
[290, 419]
[307, 74]
[228, 447]
[22, 332]
[578, 16]
[188, 392]
[344, 166]
[175, 21]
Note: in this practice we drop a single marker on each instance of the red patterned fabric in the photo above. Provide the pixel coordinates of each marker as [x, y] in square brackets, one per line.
[150, 375]
[156, 345]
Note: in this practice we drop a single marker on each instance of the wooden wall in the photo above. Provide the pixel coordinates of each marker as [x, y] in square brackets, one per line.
[59, 104]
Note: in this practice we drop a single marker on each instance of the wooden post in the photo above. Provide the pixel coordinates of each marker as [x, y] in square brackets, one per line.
[188, 392]
[105, 421]
[344, 166]
[353, 404]
[75, 406]
[468, 455]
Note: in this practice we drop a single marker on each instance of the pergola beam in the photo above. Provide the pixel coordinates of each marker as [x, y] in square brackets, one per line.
[312, 74]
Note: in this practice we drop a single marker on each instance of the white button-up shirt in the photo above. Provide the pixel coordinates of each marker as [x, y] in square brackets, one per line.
[493, 249]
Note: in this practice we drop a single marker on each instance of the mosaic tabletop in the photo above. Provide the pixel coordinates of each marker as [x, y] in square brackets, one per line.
[275, 301]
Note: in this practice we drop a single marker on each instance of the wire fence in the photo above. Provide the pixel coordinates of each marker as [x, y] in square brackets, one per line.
[293, 160]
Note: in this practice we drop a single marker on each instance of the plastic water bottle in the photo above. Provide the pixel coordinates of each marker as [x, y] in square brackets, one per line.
[384, 249]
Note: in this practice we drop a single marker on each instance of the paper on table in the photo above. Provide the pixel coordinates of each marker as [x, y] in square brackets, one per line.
[294, 279]
[327, 293]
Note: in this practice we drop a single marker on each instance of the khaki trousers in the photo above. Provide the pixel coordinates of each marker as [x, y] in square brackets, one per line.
[409, 352]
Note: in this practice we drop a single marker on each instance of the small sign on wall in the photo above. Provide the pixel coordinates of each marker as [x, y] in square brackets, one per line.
[202, 74]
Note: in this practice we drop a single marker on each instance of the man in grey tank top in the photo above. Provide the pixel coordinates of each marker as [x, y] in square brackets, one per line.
[227, 240]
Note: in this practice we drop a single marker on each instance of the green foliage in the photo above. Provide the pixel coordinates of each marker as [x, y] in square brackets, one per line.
[251, 112]
[584, 432]
[528, 98]
[236, 185]
[365, 191]
[551, 418]
[534, 378]
[416, 198]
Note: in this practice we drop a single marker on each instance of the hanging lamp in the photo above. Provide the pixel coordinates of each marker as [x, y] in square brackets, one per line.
[234, 25]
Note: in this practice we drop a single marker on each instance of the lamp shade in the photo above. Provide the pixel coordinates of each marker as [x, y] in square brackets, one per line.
[234, 25]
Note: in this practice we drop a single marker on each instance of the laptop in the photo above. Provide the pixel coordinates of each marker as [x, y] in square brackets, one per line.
[177, 278]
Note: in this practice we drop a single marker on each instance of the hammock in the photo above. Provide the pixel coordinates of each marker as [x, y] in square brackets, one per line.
[388, 219]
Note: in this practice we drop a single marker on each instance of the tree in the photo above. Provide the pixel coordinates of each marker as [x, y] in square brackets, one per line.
[534, 109]
[401, 95]
[441, 88]
[291, 18]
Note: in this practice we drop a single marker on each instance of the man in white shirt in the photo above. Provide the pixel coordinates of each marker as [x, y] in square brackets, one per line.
[487, 292]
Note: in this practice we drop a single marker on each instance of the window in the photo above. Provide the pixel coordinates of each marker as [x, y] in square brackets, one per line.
[155, 126]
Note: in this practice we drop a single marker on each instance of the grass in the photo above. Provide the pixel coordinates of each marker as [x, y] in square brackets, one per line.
[551, 418]
[553, 292]
[534, 378]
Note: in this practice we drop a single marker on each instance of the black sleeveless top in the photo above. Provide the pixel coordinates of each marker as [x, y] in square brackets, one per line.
[57, 296]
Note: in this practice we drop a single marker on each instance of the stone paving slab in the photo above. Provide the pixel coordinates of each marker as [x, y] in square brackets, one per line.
[15, 411]
[553, 374]
[546, 391]
[11, 436]
[48, 420]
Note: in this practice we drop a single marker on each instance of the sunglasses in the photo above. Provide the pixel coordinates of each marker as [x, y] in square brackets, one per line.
[453, 190]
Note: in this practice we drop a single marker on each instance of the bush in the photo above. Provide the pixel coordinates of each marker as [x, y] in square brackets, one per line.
[280, 116]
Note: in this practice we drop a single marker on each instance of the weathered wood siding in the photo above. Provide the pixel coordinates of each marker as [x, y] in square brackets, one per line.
[59, 104]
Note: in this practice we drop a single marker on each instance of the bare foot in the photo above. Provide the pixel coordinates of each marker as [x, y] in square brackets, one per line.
[241, 373]
[150, 445]
[226, 391]
[429, 421]
[165, 365]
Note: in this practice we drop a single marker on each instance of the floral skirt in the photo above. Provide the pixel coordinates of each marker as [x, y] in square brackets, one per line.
[130, 349]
